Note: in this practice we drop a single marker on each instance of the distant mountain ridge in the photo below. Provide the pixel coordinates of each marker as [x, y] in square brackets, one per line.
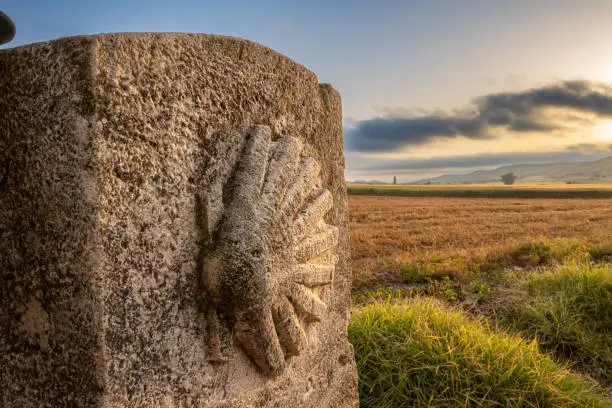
[366, 182]
[581, 172]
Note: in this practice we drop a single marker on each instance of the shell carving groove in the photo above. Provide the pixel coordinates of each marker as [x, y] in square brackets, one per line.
[268, 251]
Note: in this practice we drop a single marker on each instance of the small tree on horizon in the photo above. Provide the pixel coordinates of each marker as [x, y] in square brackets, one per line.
[394, 179]
[508, 178]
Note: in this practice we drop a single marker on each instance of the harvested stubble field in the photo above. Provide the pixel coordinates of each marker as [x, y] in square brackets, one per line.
[389, 235]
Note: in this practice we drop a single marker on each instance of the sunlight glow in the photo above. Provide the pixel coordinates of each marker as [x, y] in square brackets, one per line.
[603, 130]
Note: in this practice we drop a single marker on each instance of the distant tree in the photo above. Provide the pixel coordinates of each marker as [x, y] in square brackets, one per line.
[508, 178]
[394, 179]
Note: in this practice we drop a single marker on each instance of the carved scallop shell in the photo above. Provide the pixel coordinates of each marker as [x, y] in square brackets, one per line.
[269, 247]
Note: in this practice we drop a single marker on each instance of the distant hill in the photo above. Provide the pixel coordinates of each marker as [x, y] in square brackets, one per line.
[376, 182]
[581, 172]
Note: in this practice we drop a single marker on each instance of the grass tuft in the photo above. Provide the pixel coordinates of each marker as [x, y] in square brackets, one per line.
[568, 308]
[601, 252]
[531, 254]
[420, 354]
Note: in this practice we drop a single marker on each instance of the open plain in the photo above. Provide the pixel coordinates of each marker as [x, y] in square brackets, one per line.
[482, 301]
[390, 234]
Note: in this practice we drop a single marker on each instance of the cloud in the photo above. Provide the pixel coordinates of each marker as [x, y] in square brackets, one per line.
[389, 133]
[573, 153]
[519, 112]
[588, 148]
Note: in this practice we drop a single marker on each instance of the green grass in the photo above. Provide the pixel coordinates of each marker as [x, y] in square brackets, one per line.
[568, 308]
[527, 255]
[418, 353]
[532, 254]
[382, 294]
[558, 297]
[480, 192]
[601, 252]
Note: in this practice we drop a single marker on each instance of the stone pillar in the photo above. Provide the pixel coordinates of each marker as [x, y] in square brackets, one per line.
[173, 227]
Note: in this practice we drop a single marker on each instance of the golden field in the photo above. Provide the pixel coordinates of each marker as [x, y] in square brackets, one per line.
[390, 234]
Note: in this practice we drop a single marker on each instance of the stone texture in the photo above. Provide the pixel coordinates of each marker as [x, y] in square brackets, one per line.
[116, 153]
[268, 253]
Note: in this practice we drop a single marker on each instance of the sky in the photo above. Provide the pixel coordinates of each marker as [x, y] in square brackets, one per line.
[428, 87]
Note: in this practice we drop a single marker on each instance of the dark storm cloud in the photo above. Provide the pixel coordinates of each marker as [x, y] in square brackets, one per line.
[579, 95]
[518, 112]
[390, 133]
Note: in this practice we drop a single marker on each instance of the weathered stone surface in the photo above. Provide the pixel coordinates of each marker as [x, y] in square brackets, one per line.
[133, 187]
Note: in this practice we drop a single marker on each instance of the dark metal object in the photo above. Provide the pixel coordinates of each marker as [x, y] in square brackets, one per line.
[7, 28]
